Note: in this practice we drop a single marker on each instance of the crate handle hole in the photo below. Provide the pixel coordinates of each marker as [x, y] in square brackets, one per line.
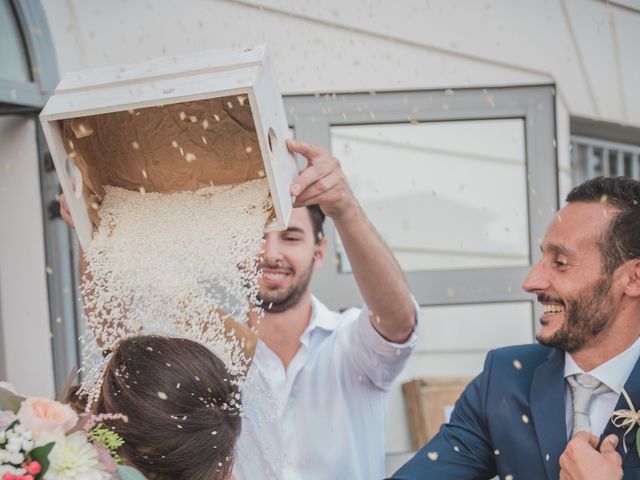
[273, 138]
[77, 187]
[75, 177]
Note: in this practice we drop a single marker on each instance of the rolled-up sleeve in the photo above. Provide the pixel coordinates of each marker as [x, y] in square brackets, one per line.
[379, 359]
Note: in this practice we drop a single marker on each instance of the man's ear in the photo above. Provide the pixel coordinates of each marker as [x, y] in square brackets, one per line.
[632, 288]
[319, 254]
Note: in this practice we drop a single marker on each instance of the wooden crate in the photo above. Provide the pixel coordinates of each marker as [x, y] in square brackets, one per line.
[170, 124]
[426, 401]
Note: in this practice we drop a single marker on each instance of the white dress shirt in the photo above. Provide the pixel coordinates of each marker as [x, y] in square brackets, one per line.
[323, 417]
[613, 373]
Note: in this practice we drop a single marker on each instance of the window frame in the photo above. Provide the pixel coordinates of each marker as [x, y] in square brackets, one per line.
[606, 131]
[30, 96]
[312, 116]
[605, 136]
[27, 99]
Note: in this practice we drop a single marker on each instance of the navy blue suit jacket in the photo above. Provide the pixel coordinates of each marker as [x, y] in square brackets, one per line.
[511, 421]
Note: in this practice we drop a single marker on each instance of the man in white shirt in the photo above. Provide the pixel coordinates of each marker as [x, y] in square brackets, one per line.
[316, 399]
[545, 411]
[315, 402]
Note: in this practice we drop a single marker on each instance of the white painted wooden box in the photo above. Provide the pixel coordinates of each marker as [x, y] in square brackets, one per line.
[170, 124]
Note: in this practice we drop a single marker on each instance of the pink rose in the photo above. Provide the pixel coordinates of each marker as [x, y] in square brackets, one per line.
[41, 415]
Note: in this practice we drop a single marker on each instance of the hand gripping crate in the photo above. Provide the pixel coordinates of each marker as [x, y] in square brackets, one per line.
[169, 125]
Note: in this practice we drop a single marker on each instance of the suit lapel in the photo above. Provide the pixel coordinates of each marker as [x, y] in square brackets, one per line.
[548, 410]
[632, 388]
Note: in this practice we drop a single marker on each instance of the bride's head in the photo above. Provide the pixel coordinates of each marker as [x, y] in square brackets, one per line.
[181, 404]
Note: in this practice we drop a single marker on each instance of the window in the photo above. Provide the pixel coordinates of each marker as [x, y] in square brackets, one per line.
[477, 188]
[603, 149]
[28, 75]
[591, 157]
[29, 72]
[460, 183]
[13, 52]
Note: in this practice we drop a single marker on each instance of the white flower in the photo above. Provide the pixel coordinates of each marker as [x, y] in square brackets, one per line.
[11, 470]
[27, 445]
[74, 457]
[17, 458]
[13, 445]
[7, 456]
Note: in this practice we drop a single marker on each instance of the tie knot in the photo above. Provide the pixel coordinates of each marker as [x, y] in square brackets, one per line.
[586, 384]
[586, 380]
[583, 387]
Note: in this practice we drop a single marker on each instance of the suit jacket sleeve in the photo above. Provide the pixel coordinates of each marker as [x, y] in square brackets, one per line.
[462, 449]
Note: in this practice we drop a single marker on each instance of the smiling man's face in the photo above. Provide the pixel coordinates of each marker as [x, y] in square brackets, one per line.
[288, 261]
[577, 296]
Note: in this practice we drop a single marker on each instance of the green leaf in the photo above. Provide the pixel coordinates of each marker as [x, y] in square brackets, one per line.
[638, 441]
[41, 455]
[10, 401]
[129, 473]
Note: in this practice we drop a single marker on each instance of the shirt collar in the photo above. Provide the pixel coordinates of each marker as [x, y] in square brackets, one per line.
[613, 373]
[321, 316]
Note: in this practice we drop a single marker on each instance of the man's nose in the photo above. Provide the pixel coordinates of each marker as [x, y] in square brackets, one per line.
[271, 252]
[536, 280]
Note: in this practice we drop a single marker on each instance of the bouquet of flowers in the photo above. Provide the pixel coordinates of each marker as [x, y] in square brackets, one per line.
[42, 439]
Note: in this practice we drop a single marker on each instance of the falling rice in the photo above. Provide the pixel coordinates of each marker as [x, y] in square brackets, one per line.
[176, 264]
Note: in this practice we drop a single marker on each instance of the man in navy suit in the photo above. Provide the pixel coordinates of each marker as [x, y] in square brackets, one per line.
[544, 411]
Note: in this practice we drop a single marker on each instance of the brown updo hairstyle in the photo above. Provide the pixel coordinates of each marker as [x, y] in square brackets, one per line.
[182, 406]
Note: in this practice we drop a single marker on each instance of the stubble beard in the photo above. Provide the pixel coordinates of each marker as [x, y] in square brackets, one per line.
[278, 302]
[587, 316]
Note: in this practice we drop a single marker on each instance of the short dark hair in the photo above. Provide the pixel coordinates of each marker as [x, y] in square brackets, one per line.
[621, 242]
[317, 219]
[182, 406]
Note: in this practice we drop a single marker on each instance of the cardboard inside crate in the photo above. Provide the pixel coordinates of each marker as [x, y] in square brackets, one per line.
[167, 148]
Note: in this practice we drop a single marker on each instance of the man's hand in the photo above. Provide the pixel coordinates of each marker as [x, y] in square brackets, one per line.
[65, 213]
[322, 182]
[377, 273]
[581, 461]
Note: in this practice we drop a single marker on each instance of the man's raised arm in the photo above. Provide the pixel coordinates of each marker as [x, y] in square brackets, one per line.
[376, 271]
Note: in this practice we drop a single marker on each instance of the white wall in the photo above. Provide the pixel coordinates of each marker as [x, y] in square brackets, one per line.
[26, 347]
[589, 48]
